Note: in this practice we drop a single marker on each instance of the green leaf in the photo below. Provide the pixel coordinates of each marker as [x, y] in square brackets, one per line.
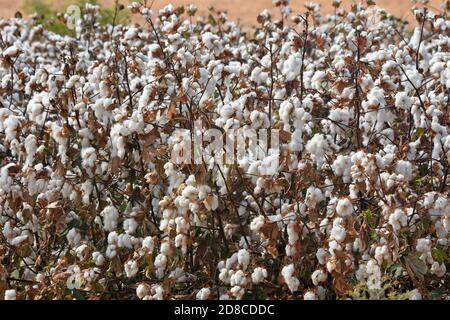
[122, 207]
[438, 293]
[78, 295]
[439, 255]
[259, 294]
[397, 270]
[371, 217]
[419, 132]
[74, 223]
[84, 227]
[418, 264]
[211, 20]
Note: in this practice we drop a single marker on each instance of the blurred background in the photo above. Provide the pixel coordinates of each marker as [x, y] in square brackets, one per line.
[245, 11]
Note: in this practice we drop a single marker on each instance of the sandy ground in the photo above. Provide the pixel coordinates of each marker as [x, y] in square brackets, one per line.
[245, 10]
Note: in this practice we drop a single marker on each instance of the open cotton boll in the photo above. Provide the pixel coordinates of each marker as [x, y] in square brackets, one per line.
[243, 257]
[270, 165]
[98, 258]
[259, 119]
[142, 290]
[160, 265]
[319, 276]
[292, 66]
[344, 207]
[11, 51]
[404, 168]
[148, 244]
[309, 295]
[30, 149]
[415, 295]
[317, 146]
[258, 275]
[288, 274]
[73, 237]
[257, 223]
[398, 219]
[423, 245]
[439, 269]
[11, 125]
[89, 157]
[313, 196]
[110, 218]
[131, 268]
[130, 225]
[259, 76]
[403, 101]
[210, 40]
[381, 253]
[10, 294]
[95, 140]
[203, 294]
[338, 233]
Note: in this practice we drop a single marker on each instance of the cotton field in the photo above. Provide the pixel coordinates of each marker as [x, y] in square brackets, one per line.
[353, 203]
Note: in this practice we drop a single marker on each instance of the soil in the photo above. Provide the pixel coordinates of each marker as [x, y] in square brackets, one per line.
[246, 11]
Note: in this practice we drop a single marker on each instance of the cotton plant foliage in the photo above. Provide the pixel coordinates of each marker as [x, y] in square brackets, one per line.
[354, 205]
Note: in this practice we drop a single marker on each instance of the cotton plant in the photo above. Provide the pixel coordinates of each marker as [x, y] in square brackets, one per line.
[97, 198]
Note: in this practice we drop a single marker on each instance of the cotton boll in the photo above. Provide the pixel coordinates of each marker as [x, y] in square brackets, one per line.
[203, 294]
[210, 40]
[318, 79]
[313, 196]
[238, 292]
[88, 156]
[83, 252]
[259, 119]
[288, 274]
[292, 67]
[438, 269]
[211, 202]
[259, 76]
[405, 169]
[258, 275]
[398, 219]
[321, 255]
[73, 237]
[130, 225]
[415, 295]
[148, 244]
[317, 146]
[344, 207]
[243, 258]
[30, 149]
[309, 295]
[423, 245]
[224, 275]
[11, 51]
[98, 258]
[257, 223]
[110, 218]
[338, 233]
[10, 294]
[160, 264]
[319, 276]
[403, 101]
[381, 253]
[181, 242]
[238, 279]
[11, 125]
[131, 268]
[142, 290]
